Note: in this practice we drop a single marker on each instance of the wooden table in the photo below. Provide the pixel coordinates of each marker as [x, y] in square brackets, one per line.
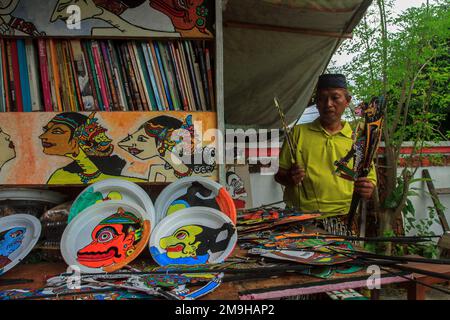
[271, 288]
[294, 285]
[417, 291]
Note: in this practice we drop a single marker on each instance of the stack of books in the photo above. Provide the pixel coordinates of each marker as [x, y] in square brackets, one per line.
[59, 75]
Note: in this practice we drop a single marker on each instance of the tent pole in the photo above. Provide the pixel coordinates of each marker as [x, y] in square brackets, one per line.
[220, 108]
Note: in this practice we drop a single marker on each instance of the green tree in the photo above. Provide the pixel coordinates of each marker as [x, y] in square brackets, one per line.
[406, 59]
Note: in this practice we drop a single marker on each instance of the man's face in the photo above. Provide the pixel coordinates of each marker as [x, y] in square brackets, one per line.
[331, 103]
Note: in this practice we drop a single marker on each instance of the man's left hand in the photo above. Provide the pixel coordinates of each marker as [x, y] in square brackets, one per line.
[364, 187]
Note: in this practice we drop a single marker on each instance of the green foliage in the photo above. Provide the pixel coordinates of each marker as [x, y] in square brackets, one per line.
[423, 228]
[371, 247]
[436, 159]
[394, 198]
[406, 58]
[389, 233]
[416, 69]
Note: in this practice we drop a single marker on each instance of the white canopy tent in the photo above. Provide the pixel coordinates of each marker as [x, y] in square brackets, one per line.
[279, 48]
[309, 115]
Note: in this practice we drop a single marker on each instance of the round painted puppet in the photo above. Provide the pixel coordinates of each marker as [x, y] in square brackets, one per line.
[106, 236]
[10, 241]
[193, 236]
[194, 192]
[113, 189]
[18, 235]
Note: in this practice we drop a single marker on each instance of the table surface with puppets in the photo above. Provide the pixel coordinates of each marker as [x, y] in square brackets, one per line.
[233, 287]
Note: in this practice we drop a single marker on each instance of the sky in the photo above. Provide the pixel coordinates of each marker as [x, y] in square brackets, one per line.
[400, 6]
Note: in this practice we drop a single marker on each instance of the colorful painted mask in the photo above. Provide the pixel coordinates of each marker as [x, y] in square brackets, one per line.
[192, 244]
[10, 241]
[182, 243]
[113, 240]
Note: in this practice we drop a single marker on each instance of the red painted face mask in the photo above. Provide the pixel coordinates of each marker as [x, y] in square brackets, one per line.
[110, 245]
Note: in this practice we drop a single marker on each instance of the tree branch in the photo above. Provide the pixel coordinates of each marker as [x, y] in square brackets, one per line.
[383, 24]
[401, 101]
[408, 101]
[366, 41]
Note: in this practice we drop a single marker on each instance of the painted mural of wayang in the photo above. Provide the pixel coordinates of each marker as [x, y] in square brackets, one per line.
[82, 139]
[131, 18]
[82, 148]
[7, 148]
[10, 241]
[108, 11]
[113, 240]
[192, 244]
[189, 18]
[12, 25]
[157, 134]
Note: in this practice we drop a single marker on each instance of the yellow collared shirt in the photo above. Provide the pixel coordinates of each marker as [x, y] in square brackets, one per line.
[316, 152]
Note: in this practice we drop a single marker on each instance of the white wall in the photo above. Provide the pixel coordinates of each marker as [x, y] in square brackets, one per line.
[264, 190]
[441, 179]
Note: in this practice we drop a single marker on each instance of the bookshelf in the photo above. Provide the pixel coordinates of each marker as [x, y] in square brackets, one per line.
[82, 105]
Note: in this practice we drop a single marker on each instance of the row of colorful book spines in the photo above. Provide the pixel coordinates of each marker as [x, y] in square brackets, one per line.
[165, 92]
[170, 107]
[14, 77]
[152, 75]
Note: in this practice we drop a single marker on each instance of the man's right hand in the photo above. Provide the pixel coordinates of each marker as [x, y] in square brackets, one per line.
[293, 176]
[297, 174]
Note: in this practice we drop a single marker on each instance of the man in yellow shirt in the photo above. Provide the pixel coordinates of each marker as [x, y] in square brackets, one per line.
[310, 182]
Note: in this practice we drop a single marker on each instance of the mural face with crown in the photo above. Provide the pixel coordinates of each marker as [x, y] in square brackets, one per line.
[57, 139]
[139, 144]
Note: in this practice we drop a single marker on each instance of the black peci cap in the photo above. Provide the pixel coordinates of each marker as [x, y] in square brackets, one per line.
[332, 81]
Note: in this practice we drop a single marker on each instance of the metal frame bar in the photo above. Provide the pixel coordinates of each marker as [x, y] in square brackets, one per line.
[220, 108]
